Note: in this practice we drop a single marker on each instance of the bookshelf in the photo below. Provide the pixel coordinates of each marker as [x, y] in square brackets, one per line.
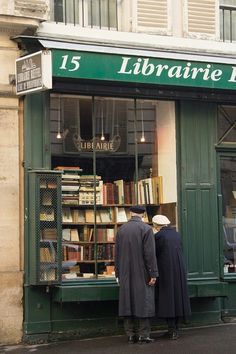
[45, 227]
[89, 228]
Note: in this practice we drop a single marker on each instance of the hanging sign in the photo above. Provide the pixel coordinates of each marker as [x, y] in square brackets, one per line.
[145, 70]
[97, 144]
[34, 72]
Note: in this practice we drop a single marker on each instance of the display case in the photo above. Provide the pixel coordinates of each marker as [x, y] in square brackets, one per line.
[44, 227]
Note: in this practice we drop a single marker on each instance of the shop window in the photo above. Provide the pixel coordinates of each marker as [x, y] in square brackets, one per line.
[111, 152]
[226, 124]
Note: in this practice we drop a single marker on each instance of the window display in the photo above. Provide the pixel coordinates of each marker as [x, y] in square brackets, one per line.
[106, 149]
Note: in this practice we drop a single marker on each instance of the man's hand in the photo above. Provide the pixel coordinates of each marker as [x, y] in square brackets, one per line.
[152, 281]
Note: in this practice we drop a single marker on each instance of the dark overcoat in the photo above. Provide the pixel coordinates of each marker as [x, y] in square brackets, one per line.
[135, 264]
[172, 298]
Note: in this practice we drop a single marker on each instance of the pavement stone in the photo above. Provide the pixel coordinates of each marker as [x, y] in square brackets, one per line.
[218, 339]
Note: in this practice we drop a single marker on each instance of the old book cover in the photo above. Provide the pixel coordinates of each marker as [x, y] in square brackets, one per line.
[66, 234]
[66, 215]
[120, 184]
[89, 215]
[74, 235]
[110, 235]
[105, 215]
[120, 214]
[49, 234]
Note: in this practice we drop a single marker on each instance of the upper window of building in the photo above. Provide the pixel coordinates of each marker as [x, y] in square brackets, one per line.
[86, 13]
[228, 20]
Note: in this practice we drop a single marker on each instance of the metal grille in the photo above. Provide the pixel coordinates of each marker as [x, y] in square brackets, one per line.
[47, 229]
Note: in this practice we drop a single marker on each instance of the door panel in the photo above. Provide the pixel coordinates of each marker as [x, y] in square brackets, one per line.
[198, 188]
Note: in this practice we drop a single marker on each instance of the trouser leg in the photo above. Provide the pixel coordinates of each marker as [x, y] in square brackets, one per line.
[170, 323]
[144, 327]
[129, 326]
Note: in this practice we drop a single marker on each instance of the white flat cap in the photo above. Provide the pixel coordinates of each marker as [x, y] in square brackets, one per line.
[160, 220]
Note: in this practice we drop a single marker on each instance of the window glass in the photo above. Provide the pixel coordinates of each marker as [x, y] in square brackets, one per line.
[228, 20]
[93, 13]
[226, 124]
[107, 148]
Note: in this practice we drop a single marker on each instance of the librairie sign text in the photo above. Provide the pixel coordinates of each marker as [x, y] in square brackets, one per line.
[100, 66]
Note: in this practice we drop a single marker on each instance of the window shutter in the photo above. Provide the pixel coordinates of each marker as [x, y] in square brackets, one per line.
[201, 18]
[152, 16]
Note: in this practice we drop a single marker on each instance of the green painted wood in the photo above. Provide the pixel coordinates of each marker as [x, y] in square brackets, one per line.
[37, 131]
[198, 195]
[86, 292]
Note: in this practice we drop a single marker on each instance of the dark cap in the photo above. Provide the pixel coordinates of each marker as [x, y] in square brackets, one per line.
[137, 209]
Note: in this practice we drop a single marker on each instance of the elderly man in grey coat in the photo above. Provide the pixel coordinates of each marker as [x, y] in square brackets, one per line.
[136, 271]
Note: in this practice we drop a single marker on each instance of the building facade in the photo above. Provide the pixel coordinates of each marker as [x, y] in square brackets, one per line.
[141, 110]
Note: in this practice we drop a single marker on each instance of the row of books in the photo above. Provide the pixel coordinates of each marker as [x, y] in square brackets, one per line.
[80, 253]
[87, 215]
[147, 191]
[103, 234]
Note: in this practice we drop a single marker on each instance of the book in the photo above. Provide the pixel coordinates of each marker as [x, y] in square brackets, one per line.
[105, 215]
[89, 215]
[74, 235]
[120, 184]
[66, 234]
[46, 215]
[120, 214]
[66, 215]
[46, 198]
[49, 234]
[110, 235]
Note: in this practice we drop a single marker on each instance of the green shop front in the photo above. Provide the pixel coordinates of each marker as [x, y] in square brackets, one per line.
[118, 128]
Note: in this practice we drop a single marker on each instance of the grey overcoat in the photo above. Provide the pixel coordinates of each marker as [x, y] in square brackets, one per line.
[135, 264]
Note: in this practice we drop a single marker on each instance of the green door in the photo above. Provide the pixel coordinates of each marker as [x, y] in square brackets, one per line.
[198, 195]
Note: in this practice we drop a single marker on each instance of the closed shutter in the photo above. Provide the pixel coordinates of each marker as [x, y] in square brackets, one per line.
[201, 18]
[152, 16]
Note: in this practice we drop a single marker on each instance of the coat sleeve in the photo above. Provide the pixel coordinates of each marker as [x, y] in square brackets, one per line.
[150, 254]
[117, 255]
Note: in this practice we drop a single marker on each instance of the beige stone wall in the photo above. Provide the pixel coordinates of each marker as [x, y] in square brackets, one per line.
[11, 288]
[16, 17]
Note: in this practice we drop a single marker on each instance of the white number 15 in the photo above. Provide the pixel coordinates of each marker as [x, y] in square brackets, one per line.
[74, 61]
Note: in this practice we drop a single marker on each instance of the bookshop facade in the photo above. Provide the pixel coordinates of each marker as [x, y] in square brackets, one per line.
[118, 129]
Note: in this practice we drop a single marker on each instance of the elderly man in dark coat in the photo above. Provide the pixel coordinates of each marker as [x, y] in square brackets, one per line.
[172, 300]
[136, 271]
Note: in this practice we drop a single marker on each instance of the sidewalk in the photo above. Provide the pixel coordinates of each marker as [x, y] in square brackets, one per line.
[219, 339]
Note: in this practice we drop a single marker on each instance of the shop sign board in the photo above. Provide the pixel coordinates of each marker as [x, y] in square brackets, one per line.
[34, 72]
[143, 70]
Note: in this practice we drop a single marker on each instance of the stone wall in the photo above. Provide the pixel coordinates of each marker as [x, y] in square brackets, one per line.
[16, 17]
[11, 289]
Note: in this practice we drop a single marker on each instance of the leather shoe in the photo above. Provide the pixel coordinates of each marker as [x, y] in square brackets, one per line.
[171, 335]
[132, 339]
[145, 340]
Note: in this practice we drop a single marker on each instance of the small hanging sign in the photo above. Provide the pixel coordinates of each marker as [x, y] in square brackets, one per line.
[34, 72]
[97, 144]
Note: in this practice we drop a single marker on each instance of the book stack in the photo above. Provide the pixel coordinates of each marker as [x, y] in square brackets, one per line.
[49, 234]
[91, 187]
